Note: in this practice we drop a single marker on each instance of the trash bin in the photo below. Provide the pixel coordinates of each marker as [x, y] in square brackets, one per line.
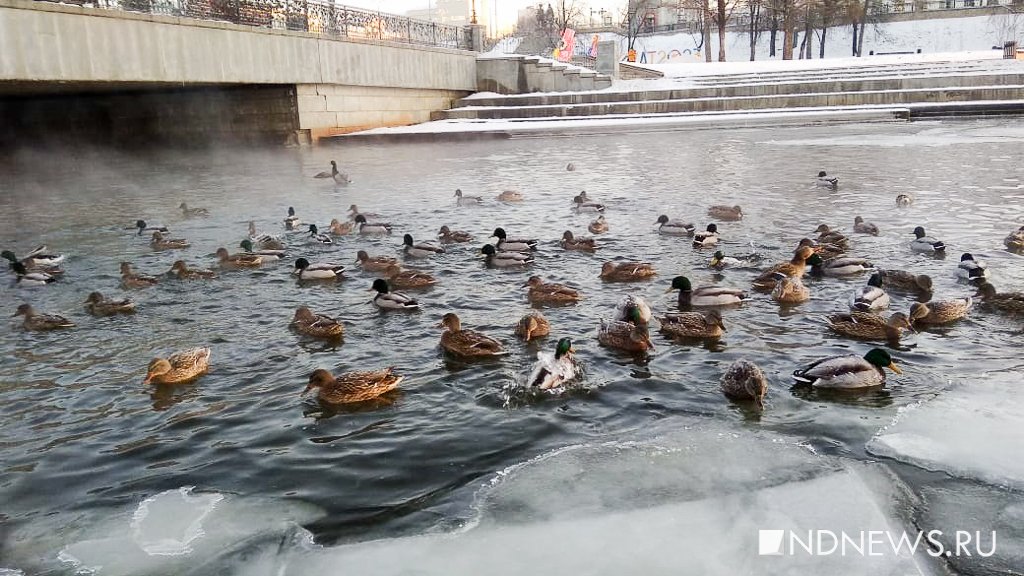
[1009, 50]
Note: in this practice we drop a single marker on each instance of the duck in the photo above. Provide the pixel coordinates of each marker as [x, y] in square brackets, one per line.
[866, 326]
[264, 241]
[463, 200]
[408, 279]
[160, 243]
[970, 269]
[467, 343]
[924, 243]
[839, 266]
[317, 237]
[719, 261]
[510, 196]
[129, 279]
[554, 371]
[627, 271]
[706, 324]
[40, 322]
[532, 325]
[316, 325]
[625, 336]
[338, 228]
[375, 263]
[26, 278]
[320, 271]
[549, 293]
[826, 182]
[505, 259]
[726, 213]
[192, 212]
[705, 295]
[941, 312]
[826, 251]
[581, 205]
[144, 228]
[795, 268]
[449, 236]
[353, 212]
[507, 244]
[1007, 302]
[388, 300]
[352, 387]
[790, 290]
[581, 197]
[570, 167]
[744, 381]
[570, 242]
[243, 260]
[184, 272]
[870, 298]
[264, 254]
[1015, 241]
[904, 200]
[706, 238]
[419, 250]
[827, 235]
[903, 281]
[674, 227]
[178, 368]
[862, 227]
[371, 228]
[37, 260]
[633, 309]
[598, 226]
[334, 174]
[291, 222]
[97, 305]
[848, 372]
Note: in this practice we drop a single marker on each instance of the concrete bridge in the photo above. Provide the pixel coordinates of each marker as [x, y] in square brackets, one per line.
[198, 70]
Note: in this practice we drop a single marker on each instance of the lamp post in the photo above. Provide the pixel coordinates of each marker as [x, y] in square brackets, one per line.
[472, 19]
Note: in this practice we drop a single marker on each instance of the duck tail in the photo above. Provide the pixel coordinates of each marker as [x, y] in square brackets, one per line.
[939, 246]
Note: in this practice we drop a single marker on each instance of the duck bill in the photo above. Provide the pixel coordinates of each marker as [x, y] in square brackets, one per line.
[669, 290]
[715, 261]
[895, 368]
[148, 380]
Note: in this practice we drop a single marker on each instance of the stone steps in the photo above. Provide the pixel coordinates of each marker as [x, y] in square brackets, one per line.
[517, 74]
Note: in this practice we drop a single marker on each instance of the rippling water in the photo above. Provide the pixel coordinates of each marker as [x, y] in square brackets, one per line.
[79, 432]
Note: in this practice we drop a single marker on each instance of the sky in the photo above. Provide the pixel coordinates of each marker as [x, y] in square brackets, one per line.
[506, 8]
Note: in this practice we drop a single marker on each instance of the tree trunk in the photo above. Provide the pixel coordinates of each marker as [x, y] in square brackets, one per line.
[854, 47]
[773, 38]
[821, 49]
[755, 12]
[707, 30]
[863, 26]
[809, 36]
[721, 30]
[803, 45]
[788, 30]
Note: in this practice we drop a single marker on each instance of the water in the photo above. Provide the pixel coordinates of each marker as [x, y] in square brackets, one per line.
[80, 434]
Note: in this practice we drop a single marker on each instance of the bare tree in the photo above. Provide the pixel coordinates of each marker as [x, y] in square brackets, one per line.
[720, 17]
[754, 26]
[633, 20]
[788, 27]
[568, 13]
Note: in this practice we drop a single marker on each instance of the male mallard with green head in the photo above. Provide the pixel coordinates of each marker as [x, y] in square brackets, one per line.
[554, 371]
[847, 372]
[705, 295]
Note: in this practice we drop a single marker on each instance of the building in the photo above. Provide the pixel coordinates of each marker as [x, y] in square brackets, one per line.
[457, 12]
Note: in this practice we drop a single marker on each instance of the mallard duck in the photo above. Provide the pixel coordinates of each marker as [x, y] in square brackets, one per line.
[570, 242]
[795, 268]
[26, 278]
[581, 197]
[904, 200]
[160, 243]
[184, 272]
[626, 271]
[388, 300]
[408, 279]
[971, 269]
[532, 325]
[371, 228]
[633, 309]
[354, 212]
[554, 371]
[870, 326]
[839, 266]
[317, 237]
[37, 260]
[598, 226]
[264, 254]
[924, 243]
[705, 295]
[870, 298]
[316, 325]
[827, 235]
[826, 251]
[291, 222]
[790, 290]
[580, 204]
[512, 245]
[449, 236]
[510, 196]
[419, 250]
[570, 167]
[674, 227]
[1015, 241]
[625, 336]
[192, 212]
[320, 271]
[549, 293]
[179, 368]
[467, 343]
[97, 305]
[463, 200]
[706, 324]
[129, 279]
[744, 380]
[726, 213]
[941, 312]
[903, 281]
[38, 322]
[144, 228]
[505, 259]
[862, 227]
[243, 260]
[265, 241]
[848, 372]
[352, 387]
[826, 182]
[1008, 302]
[706, 238]
[329, 173]
[376, 263]
[720, 261]
[339, 228]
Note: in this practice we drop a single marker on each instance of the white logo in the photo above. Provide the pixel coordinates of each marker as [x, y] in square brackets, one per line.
[770, 542]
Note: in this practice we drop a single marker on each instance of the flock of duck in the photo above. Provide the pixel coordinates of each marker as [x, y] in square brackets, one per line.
[628, 327]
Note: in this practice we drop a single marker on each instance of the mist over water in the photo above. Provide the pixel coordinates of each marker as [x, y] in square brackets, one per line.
[80, 435]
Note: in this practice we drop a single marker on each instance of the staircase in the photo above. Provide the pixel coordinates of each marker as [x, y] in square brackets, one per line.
[518, 74]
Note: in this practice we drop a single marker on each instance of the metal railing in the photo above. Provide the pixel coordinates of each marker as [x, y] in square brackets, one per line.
[314, 16]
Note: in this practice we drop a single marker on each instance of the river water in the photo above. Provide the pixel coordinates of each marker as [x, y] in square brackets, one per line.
[80, 434]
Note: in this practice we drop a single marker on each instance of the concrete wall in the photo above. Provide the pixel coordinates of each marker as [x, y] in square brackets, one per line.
[330, 109]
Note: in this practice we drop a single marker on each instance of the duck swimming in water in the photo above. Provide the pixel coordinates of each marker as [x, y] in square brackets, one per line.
[705, 296]
[352, 387]
[39, 322]
[826, 182]
[179, 368]
[464, 200]
[467, 343]
[924, 243]
[674, 227]
[554, 371]
[970, 269]
[847, 372]
[743, 380]
[388, 300]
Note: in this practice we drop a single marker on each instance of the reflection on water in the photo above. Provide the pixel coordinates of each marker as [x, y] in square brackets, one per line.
[79, 430]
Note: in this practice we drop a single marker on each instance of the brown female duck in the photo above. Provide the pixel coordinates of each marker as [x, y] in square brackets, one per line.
[352, 386]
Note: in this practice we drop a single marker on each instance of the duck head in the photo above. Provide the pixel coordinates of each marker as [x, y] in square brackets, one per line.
[380, 286]
[451, 322]
[407, 240]
[563, 347]
[157, 367]
[919, 232]
[881, 359]
[681, 283]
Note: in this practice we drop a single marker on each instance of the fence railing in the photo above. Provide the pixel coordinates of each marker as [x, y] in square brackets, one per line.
[314, 16]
